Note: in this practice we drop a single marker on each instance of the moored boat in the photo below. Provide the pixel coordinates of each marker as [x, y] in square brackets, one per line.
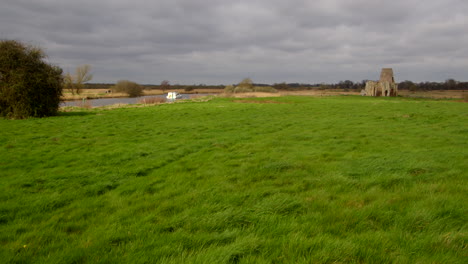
[173, 95]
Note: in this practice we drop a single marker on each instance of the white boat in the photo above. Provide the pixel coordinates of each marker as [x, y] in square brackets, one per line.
[173, 95]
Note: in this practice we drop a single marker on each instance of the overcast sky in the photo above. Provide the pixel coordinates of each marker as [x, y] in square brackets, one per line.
[224, 41]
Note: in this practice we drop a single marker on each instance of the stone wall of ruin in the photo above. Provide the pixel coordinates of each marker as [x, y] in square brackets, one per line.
[385, 87]
[386, 75]
[380, 89]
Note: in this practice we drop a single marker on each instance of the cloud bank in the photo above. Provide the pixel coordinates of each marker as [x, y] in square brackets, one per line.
[222, 42]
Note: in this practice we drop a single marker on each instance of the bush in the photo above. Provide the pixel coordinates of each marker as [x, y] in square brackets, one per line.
[29, 87]
[246, 83]
[243, 89]
[229, 89]
[131, 88]
[245, 86]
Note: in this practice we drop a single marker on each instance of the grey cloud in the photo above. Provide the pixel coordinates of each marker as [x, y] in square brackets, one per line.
[216, 41]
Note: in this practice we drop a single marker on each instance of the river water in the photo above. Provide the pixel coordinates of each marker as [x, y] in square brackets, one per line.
[111, 101]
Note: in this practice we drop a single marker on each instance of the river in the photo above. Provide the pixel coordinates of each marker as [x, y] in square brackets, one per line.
[123, 100]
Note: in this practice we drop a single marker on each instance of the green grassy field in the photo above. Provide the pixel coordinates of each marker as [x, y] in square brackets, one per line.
[277, 180]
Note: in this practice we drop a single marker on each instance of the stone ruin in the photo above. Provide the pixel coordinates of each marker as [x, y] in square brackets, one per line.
[386, 86]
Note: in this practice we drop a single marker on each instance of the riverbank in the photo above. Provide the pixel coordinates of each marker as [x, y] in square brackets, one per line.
[101, 93]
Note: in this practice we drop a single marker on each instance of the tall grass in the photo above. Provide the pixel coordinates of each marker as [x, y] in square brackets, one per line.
[310, 180]
[84, 104]
[152, 100]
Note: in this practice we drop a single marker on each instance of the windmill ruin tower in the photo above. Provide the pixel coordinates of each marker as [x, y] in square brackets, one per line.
[386, 86]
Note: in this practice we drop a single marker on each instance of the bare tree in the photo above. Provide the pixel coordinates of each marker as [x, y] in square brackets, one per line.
[75, 83]
[165, 85]
[68, 82]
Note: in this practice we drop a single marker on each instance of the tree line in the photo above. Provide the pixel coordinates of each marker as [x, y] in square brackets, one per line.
[449, 84]
[165, 85]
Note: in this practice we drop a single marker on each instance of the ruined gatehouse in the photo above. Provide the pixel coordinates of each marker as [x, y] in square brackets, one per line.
[386, 86]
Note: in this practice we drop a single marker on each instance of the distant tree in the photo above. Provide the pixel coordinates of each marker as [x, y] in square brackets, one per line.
[361, 85]
[75, 83]
[296, 86]
[450, 84]
[462, 85]
[429, 86]
[29, 87]
[325, 86]
[346, 84]
[281, 86]
[133, 89]
[165, 85]
[188, 88]
[407, 85]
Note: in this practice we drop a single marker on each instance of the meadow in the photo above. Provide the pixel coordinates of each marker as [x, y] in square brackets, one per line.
[343, 179]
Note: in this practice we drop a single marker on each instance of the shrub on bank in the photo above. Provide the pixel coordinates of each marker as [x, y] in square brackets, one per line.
[29, 87]
[242, 89]
[229, 89]
[247, 86]
[133, 89]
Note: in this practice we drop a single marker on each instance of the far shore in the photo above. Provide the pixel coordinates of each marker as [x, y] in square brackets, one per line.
[101, 93]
